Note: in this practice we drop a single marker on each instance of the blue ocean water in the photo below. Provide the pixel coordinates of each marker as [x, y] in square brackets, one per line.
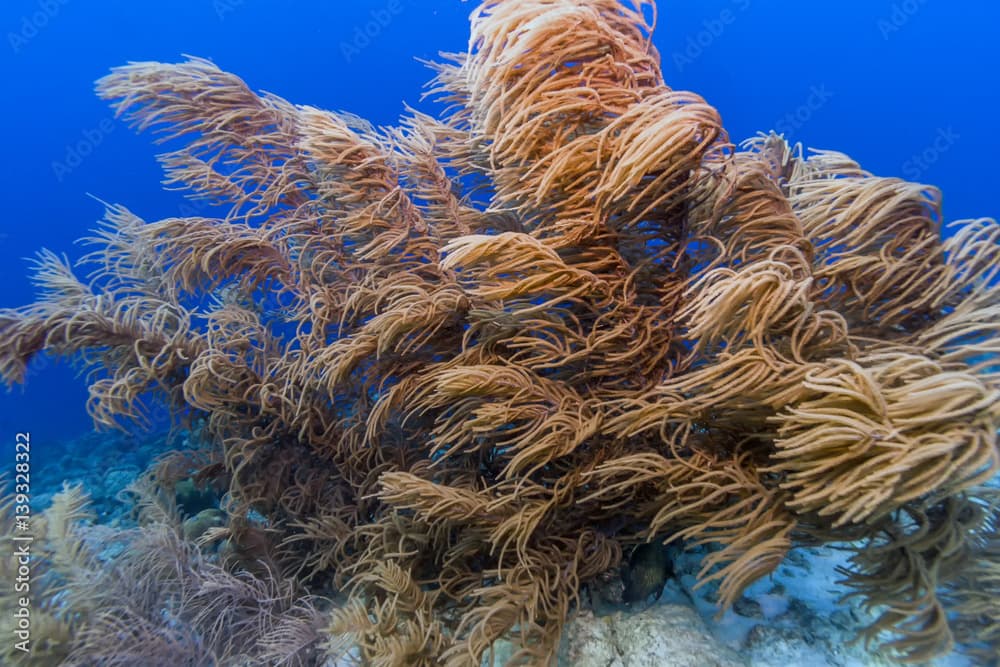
[906, 87]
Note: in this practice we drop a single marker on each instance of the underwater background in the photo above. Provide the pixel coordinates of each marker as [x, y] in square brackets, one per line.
[907, 88]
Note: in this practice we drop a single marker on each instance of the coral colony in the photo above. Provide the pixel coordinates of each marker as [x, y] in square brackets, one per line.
[446, 375]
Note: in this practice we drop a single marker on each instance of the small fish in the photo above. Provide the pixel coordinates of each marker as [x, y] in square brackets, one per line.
[647, 572]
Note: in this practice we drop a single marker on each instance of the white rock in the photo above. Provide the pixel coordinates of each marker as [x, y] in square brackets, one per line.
[668, 635]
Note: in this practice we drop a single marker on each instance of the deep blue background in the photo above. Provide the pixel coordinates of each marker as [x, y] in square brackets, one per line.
[891, 77]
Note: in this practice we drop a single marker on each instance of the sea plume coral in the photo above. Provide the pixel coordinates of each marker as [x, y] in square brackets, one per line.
[143, 595]
[462, 413]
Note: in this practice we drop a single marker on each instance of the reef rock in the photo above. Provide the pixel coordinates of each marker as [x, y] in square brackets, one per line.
[669, 635]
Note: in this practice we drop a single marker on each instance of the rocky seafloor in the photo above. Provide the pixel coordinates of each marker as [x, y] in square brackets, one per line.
[793, 618]
[790, 619]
